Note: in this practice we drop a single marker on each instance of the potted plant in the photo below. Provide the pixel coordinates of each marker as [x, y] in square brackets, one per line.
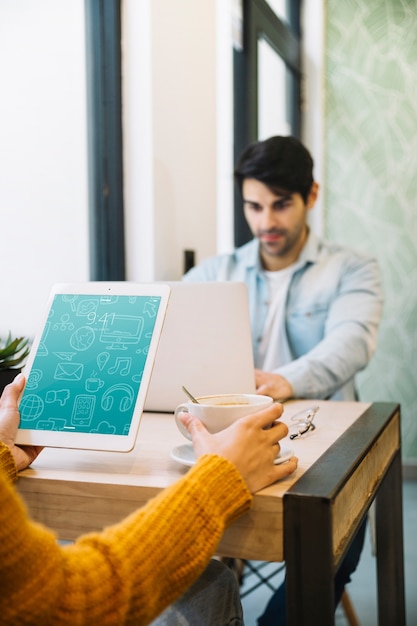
[13, 353]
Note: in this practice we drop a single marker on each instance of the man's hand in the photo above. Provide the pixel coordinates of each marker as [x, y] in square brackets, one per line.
[250, 443]
[9, 421]
[274, 385]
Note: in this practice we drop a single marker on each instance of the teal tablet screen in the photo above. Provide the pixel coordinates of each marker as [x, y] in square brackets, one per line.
[88, 366]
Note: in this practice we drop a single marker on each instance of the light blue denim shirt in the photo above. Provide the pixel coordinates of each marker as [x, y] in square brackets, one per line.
[332, 313]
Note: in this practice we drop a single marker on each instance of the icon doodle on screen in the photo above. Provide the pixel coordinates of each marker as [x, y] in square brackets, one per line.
[64, 324]
[102, 360]
[122, 365]
[60, 396]
[65, 356]
[31, 407]
[71, 299]
[105, 428]
[82, 338]
[108, 299]
[42, 349]
[85, 307]
[69, 371]
[120, 331]
[126, 394]
[51, 424]
[83, 410]
[151, 309]
[34, 378]
[145, 348]
[93, 384]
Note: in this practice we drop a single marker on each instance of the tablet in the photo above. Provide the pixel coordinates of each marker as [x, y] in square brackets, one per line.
[89, 367]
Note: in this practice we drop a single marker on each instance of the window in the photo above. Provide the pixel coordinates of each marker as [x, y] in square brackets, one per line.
[105, 146]
[267, 78]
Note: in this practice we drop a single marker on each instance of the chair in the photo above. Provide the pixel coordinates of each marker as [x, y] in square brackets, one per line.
[243, 568]
[349, 610]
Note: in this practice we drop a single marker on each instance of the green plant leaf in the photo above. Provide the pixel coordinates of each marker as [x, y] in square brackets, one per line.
[13, 352]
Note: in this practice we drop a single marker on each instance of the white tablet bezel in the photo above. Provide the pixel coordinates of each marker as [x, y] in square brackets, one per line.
[98, 441]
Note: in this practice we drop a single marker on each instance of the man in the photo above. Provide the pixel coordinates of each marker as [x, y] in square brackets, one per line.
[315, 306]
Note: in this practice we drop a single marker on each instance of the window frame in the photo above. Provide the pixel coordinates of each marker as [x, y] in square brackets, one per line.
[105, 139]
[260, 21]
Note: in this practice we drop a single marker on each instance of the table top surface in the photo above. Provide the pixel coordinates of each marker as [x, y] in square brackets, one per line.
[78, 491]
[149, 464]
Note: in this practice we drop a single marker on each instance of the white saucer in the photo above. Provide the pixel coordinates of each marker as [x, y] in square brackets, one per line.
[185, 455]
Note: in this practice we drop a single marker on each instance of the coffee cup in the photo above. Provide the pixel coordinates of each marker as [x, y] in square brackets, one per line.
[220, 411]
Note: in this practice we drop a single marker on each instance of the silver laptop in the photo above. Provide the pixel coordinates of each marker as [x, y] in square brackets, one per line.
[205, 344]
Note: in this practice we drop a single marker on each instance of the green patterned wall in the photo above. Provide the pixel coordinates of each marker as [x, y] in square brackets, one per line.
[371, 176]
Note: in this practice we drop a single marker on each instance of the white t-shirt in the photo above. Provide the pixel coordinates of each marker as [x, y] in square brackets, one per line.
[273, 354]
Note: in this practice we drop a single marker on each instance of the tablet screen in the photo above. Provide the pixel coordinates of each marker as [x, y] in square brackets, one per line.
[89, 364]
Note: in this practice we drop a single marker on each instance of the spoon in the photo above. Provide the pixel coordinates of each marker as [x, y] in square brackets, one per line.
[190, 395]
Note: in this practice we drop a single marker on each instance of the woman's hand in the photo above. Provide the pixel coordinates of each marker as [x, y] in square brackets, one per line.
[9, 422]
[249, 444]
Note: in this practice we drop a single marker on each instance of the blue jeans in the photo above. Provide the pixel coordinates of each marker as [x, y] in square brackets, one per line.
[275, 613]
[213, 600]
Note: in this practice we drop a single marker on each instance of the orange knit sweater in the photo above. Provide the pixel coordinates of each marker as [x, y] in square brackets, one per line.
[126, 574]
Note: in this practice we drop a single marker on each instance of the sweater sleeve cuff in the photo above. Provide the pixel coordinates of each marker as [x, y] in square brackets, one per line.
[7, 462]
[224, 486]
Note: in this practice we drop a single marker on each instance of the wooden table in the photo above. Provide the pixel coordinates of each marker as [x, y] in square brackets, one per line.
[308, 520]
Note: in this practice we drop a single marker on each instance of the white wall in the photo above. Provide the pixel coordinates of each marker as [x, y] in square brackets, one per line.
[43, 164]
[312, 23]
[177, 127]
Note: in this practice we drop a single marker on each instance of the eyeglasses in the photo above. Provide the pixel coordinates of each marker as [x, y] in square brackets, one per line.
[303, 422]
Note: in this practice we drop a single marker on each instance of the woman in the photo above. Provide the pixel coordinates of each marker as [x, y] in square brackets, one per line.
[129, 573]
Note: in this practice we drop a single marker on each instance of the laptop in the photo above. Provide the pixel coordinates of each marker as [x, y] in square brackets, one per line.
[205, 344]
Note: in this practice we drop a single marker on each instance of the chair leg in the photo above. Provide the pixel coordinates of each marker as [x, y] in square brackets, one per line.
[348, 609]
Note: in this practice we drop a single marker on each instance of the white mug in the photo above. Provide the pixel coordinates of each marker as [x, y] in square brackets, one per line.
[219, 412]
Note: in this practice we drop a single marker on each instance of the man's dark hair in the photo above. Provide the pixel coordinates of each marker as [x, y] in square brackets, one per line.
[281, 163]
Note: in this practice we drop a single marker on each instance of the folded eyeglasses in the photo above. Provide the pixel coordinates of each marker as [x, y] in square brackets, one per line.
[303, 422]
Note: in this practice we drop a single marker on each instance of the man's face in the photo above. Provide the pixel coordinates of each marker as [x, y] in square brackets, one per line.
[278, 221]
